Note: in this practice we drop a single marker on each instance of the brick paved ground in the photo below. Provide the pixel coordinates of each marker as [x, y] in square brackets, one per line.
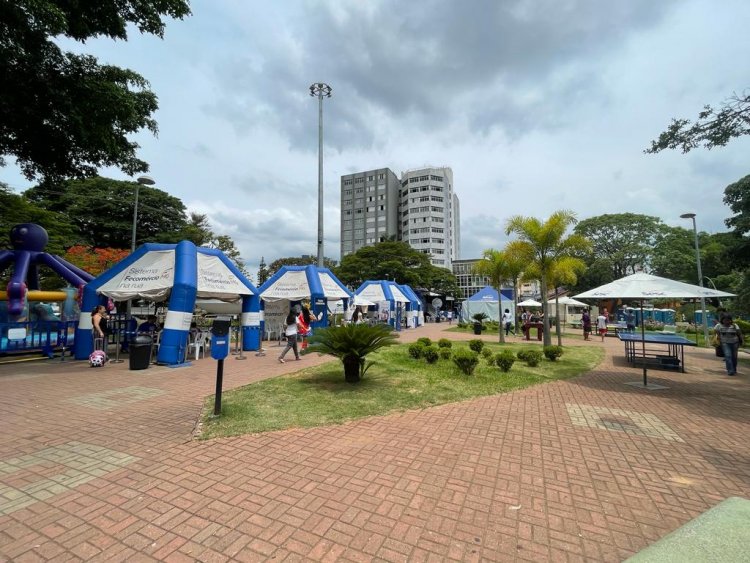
[99, 464]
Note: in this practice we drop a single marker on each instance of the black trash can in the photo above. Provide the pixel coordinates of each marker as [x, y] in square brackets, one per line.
[140, 352]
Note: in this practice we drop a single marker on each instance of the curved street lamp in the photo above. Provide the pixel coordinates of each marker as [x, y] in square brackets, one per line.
[320, 90]
[704, 316]
[141, 181]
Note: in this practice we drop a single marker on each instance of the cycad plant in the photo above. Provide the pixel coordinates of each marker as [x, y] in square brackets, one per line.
[351, 344]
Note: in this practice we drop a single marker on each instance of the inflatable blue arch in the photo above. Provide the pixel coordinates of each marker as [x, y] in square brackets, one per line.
[414, 308]
[183, 272]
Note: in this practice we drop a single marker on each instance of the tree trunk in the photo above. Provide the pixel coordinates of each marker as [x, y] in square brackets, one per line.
[557, 318]
[500, 311]
[351, 368]
[547, 337]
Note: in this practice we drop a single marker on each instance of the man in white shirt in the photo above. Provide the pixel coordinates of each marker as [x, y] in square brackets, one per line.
[508, 322]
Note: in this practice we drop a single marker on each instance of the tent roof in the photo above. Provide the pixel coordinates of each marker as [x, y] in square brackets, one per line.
[149, 273]
[382, 290]
[295, 283]
[646, 286]
[529, 303]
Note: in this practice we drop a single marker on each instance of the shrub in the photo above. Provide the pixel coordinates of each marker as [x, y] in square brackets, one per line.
[744, 326]
[461, 324]
[486, 353]
[476, 345]
[489, 357]
[465, 360]
[521, 355]
[532, 358]
[444, 343]
[424, 340]
[480, 317]
[430, 354]
[445, 353]
[505, 360]
[416, 350]
[553, 352]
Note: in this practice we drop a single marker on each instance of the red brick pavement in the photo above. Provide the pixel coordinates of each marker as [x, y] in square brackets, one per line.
[100, 465]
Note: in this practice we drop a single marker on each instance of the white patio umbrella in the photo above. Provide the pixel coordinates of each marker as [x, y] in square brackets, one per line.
[643, 286]
[570, 301]
[529, 303]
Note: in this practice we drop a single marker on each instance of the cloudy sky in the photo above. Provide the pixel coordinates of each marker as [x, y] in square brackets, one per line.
[537, 105]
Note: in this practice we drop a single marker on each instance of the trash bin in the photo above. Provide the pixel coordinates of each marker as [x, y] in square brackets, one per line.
[140, 352]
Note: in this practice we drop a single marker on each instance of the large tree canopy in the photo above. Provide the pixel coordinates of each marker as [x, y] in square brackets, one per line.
[63, 114]
[714, 128]
[622, 241]
[399, 262]
[102, 211]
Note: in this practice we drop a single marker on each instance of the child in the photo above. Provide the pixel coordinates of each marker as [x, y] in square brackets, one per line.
[601, 324]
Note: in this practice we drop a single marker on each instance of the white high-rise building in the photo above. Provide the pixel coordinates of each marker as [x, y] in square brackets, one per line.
[430, 214]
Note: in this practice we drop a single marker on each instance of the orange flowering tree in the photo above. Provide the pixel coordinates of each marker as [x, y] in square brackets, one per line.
[94, 260]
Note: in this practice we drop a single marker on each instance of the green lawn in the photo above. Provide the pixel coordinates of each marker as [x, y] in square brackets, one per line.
[396, 382]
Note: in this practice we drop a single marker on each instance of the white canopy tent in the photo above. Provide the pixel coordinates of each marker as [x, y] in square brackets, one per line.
[529, 303]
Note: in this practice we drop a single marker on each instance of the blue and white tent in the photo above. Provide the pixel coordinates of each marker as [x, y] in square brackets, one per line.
[486, 301]
[294, 284]
[178, 272]
[414, 308]
[391, 300]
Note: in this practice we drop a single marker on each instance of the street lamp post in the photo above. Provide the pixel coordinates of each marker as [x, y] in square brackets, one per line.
[704, 317]
[141, 181]
[320, 90]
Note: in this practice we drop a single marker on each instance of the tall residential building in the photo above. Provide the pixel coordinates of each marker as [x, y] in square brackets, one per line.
[369, 208]
[430, 220]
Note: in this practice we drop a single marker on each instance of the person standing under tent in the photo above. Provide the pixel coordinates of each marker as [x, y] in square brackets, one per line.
[730, 339]
[305, 319]
[290, 333]
[601, 324]
[99, 320]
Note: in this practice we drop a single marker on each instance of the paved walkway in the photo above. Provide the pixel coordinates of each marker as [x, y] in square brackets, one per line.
[100, 464]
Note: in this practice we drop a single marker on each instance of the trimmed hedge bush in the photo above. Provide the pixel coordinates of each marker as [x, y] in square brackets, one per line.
[444, 343]
[486, 353]
[424, 340]
[532, 358]
[553, 352]
[445, 353]
[476, 345]
[465, 360]
[430, 354]
[505, 360]
[416, 350]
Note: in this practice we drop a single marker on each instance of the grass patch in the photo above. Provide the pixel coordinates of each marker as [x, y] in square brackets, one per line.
[319, 395]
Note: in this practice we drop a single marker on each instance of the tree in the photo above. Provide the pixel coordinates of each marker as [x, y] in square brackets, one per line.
[63, 114]
[263, 273]
[494, 265]
[714, 128]
[622, 241]
[227, 246]
[389, 260]
[102, 210]
[16, 209]
[439, 280]
[94, 260]
[564, 272]
[276, 265]
[197, 230]
[542, 245]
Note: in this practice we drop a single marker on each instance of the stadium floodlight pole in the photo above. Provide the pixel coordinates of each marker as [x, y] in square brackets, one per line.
[320, 90]
[704, 316]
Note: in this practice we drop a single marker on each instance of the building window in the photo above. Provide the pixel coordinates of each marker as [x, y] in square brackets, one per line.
[436, 178]
[436, 198]
[348, 192]
[381, 176]
[369, 178]
[348, 182]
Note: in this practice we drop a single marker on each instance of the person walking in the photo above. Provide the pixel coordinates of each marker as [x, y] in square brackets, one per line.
[507, 322]
[601, 324]
[730, 340]
[305, 320]
[290, 333]
[586, 324]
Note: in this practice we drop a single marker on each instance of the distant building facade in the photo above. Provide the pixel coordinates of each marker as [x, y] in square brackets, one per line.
[421, 209]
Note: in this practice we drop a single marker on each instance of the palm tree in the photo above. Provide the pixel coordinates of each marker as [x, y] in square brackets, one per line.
[494, 266]
[350, 344]
[515, 268]
[542, 245]
[565, 271]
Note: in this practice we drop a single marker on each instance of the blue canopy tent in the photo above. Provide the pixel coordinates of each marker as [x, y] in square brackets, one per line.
[414, 307]
[178, 272]
[294, 284]
[486, 301]
[390, 299]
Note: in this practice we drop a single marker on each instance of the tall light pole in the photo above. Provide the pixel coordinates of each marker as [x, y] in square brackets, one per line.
[320, 90]
[704, 317]
[142, 181]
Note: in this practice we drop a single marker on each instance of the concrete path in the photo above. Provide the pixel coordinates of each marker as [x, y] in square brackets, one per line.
[100, 465]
